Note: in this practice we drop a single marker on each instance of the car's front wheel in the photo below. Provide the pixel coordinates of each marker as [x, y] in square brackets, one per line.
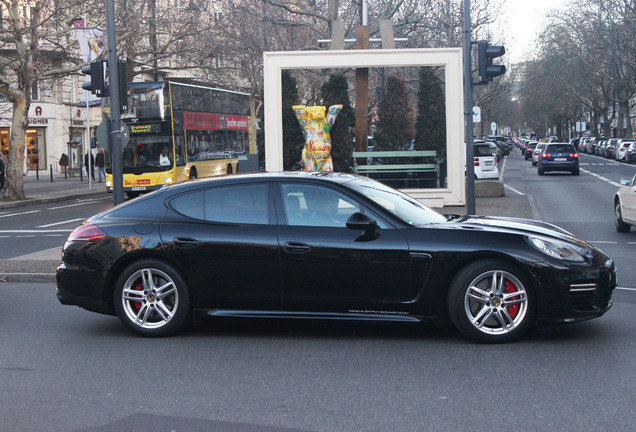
[620, 225]
[152, 299]
[490, 302]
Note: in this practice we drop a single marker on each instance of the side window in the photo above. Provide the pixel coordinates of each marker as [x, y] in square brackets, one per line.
[310, 205]
[244, 204]
[190, 205]
[237, 204]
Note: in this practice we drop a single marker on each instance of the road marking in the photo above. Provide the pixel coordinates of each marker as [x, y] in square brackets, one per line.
[626, 289]
[69, 205]
[513, 189]
[600, 177]
[60, 223]
[18, 214]
[602, 241]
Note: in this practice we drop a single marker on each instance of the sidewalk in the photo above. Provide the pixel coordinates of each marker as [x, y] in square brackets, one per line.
[40, 266]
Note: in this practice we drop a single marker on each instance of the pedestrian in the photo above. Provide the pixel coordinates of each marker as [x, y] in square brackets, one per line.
[90, 170]
[99, 161]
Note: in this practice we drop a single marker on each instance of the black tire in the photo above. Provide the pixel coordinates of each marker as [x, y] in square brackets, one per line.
[621, 226]
[132, 195]
[229, 170]
[152, 299]
[576, 171]
[193, 173]
[540, 171]
[490, 301]
[534, 163]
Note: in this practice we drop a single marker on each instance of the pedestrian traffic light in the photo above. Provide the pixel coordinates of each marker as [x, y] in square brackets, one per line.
[486, 53]
[96, 85]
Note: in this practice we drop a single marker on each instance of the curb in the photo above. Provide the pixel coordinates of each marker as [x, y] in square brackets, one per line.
[12, 204]
[27, 277]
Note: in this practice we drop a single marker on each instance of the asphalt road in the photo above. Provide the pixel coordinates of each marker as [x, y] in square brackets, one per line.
[63, 369]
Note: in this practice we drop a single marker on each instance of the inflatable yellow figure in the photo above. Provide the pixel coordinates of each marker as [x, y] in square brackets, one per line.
[317, 150]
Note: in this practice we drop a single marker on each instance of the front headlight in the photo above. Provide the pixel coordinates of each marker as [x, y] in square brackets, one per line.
[560, 250]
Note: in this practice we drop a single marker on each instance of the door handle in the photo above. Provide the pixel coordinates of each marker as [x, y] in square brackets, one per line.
[296, 247]
[185, 242]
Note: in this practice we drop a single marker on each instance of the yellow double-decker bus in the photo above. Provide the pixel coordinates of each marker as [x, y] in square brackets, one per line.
[179, 132]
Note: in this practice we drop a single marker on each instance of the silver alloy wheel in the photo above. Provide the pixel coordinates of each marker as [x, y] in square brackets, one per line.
[496, 302]
[150, 298]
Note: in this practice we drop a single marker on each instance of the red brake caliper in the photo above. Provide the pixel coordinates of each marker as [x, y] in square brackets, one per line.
[137, 304]
[513, 310]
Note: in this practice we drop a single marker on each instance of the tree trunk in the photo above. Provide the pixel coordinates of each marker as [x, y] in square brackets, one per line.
[13, 184]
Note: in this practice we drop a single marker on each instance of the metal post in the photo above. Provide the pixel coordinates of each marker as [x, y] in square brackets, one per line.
[115, 133]
[468, 113]
[51, 170]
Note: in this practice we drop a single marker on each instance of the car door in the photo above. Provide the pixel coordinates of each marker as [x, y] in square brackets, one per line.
[225, 239]
[628, 201]
[326, 266]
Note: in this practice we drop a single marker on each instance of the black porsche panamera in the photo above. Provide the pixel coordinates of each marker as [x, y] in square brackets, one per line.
[325, 246]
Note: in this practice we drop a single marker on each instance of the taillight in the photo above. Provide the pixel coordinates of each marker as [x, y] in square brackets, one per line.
[574, 155]
[546, 155]
[476, 163]
[87, 233]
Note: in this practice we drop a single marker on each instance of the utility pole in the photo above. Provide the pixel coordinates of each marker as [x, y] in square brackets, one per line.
[362, 83]
[468, 113]
[115, 111]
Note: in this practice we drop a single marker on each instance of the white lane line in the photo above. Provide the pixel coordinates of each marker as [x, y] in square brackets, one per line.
[600, 177]
[60, 223]
[68, 205]
[626, 289]
[602, 241]
[514, 190]
[18, 214]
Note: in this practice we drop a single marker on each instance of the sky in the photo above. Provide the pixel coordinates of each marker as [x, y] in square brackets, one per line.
[525, 19]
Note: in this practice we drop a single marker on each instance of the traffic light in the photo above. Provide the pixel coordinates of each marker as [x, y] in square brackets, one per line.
[96, 85]
[486, 53]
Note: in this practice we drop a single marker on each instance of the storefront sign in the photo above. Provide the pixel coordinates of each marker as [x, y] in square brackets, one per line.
[38, 121]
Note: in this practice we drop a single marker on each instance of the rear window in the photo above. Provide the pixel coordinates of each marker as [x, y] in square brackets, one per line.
[482, 150]
[561, 148]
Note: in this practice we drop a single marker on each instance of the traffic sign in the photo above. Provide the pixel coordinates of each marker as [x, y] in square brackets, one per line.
[476, 114]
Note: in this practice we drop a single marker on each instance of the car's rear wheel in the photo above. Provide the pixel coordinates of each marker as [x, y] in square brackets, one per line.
[152, 299]
[576, 171]
[620, 225]
[490, 302]
[540, 171]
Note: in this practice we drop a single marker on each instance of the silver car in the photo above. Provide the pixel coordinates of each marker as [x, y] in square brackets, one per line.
[536, 154]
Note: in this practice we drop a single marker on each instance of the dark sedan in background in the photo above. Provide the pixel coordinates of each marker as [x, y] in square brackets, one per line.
[325, 246]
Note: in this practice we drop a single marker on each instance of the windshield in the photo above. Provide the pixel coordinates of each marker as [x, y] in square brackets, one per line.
[404, 207]
[146, 101]
[148, 153]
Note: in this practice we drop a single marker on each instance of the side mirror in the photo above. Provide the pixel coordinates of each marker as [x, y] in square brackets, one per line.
[626, 182]
[360, 221]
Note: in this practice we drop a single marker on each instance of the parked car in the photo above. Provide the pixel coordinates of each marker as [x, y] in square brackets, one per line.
[529, 149]
[485, 162]
[501, 142]
[583, 145]
[593, 144]
[559, 157]
[537, 153]
[610, 148]
[625, 205]
[621, 150]
[630, 153]
[318, 245]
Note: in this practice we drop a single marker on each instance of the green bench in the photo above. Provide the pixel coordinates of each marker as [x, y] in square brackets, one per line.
[389, 171]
